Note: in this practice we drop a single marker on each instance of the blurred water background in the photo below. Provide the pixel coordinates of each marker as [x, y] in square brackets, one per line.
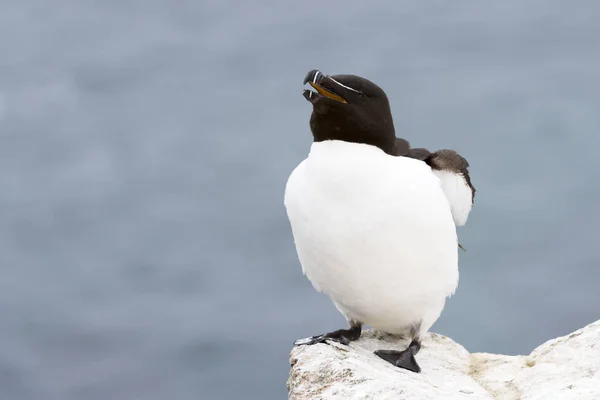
[145, 251]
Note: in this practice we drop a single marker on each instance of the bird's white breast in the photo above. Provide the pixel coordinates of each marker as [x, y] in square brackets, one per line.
[375, 233]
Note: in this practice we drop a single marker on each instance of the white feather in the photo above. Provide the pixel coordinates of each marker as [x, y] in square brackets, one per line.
[458, 193]
[375, 233]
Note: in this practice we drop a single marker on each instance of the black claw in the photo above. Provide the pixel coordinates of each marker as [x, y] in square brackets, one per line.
[408, 362]
[342, 336]
[342, 339]
[388, 355]
[402, 359]
[322, 339]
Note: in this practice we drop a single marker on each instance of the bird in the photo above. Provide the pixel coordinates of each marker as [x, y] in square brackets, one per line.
[373, 220]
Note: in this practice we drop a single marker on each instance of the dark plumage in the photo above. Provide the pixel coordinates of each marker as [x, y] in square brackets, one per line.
[403, 149]
[445, 159]
[350, 108]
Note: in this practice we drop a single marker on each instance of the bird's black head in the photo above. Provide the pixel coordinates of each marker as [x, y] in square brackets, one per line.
[349, 108]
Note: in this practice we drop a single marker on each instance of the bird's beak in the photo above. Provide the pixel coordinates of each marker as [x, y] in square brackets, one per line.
[315, 78]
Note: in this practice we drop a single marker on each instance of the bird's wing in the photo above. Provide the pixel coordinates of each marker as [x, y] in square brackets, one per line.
[403, 149]
[452, 169]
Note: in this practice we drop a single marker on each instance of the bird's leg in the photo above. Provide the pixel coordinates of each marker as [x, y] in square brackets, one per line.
[343, 336]
[403, 359]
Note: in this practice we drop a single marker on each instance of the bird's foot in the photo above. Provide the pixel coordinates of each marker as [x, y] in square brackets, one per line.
[343, 336]
[402, 359]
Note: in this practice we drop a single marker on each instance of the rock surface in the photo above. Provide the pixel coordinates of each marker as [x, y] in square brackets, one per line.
[564, 368]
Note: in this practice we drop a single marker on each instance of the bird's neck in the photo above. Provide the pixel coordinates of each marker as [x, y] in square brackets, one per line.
[382, 140]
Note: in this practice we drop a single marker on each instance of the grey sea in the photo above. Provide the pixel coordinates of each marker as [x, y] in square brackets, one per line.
[145, 146]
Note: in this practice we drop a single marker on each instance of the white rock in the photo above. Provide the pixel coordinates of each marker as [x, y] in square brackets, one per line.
[564, 368]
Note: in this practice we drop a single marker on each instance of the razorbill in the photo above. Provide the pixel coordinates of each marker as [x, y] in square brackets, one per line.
[374, 229]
